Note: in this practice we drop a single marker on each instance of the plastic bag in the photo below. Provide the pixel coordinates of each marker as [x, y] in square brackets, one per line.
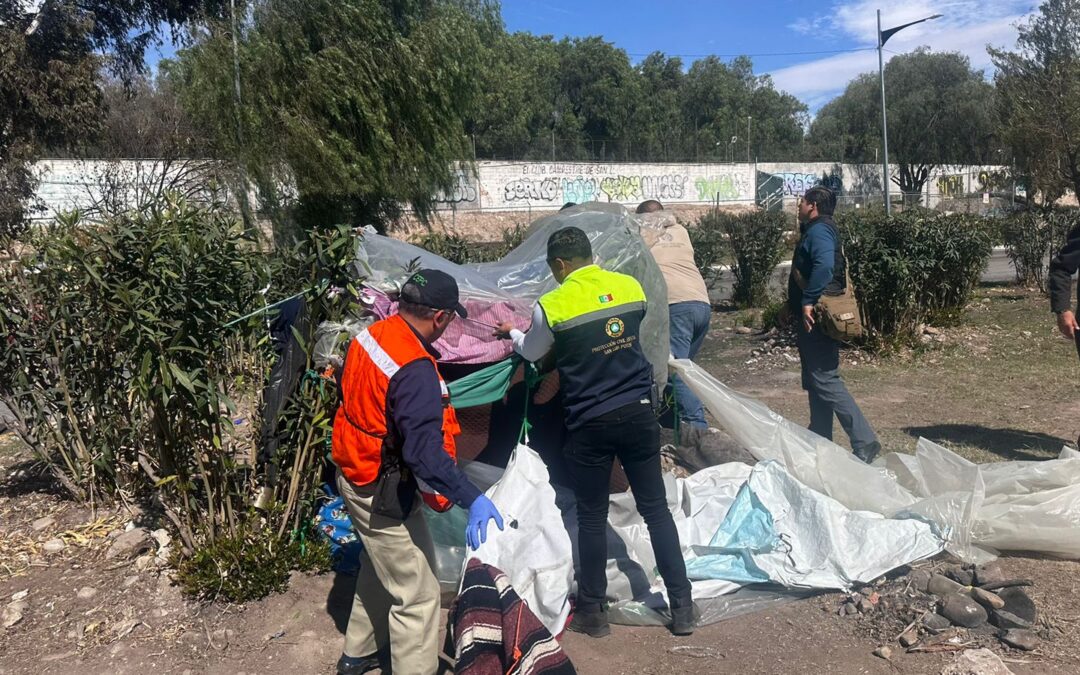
[533, 549]
[507, 289]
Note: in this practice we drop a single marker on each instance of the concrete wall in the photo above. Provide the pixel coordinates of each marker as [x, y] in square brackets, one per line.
[516, 186]
[527, 186]
[103, 185]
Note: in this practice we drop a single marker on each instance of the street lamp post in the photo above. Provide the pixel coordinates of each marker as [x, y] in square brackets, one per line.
[748, 118]
[883, 37]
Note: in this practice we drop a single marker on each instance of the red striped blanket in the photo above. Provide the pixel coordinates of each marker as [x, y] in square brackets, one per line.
[495, 633]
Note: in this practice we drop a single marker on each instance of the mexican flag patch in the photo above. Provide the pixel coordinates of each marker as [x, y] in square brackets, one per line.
[605, 298]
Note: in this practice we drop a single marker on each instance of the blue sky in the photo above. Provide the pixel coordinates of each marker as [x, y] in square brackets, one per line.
[697, 27]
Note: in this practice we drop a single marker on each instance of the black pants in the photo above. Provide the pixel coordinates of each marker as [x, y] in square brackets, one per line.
[631, 434]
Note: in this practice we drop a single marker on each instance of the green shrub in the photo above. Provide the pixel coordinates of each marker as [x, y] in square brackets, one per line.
[913, 268]
[755, 240]
[117, 353]
[248, 564]
[710, 248]
[461, 251]
[453, 247]
[132, 344]
[771, 313]
[1031, 237]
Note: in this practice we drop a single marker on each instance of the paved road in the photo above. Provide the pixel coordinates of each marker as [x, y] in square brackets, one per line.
[999, 269]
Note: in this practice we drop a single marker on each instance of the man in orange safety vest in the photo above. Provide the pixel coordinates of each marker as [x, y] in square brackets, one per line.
[394, 434]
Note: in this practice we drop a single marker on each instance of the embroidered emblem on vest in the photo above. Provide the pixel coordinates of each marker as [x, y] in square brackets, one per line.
[615, 327]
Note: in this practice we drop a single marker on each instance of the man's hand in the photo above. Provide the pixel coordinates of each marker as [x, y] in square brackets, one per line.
[502, 330]
[808, 317]
[1067, 324]
[480, 513]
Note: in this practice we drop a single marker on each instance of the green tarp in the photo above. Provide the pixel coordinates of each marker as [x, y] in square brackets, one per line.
[483, 386]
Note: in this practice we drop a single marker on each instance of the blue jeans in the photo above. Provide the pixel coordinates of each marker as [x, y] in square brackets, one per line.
[820, 357]
[689, 325]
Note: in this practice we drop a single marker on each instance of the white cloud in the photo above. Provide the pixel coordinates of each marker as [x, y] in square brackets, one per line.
[967, 26]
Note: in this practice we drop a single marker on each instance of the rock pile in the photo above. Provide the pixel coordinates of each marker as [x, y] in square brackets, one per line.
[948, 608]
[777, 348]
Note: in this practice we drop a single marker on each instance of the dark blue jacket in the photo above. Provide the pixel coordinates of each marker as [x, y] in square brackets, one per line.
[820, 261]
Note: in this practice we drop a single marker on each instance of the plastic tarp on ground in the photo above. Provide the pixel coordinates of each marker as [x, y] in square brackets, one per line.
[980, 509]
[784, 534]
[506, 290]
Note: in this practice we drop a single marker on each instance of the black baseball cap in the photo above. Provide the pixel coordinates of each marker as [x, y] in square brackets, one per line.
[435, 289]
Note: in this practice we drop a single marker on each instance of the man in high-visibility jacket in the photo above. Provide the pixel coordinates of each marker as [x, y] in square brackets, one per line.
[592, 321]
[393, 433]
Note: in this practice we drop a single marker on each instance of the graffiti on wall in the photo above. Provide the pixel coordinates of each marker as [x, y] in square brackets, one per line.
[796, 184]
[531, 190]
[994, 180]
[724, 188]
[951, 185]
[463, 192]
[539, 184]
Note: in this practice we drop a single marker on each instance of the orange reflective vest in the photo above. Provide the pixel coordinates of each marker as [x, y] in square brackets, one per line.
[360, 426]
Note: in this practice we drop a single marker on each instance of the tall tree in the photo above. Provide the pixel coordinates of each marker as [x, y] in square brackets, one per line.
[940, 112]
[143, 119]
[516, 112]
[1039, 97]
[657, 126]
[597, 89]
[359, 103]
[717, 98]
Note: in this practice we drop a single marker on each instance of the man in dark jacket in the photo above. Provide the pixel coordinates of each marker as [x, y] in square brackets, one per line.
[818, 268]
[1062, 268]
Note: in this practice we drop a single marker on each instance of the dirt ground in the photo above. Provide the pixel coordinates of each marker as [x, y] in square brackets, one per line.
[1002, 386]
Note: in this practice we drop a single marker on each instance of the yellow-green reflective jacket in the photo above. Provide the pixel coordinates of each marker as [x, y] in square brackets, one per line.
[595, 316]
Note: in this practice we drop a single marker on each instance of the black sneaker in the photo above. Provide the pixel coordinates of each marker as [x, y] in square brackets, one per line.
[683, 619]
[869, 452]
[593, 623]
[356, 665]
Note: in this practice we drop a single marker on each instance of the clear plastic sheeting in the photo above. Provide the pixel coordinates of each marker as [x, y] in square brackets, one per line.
[513, 284]
[979, 509]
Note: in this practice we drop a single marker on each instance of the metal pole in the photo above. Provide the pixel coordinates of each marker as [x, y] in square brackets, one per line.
[553, 143]
[245, 205]
[884, 119]
[748, 118]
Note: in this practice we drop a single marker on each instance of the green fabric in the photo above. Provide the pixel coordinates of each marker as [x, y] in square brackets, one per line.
[578, 295]
[483, 386]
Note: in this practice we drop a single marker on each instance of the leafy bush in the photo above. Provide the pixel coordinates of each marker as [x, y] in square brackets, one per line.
[913, 268]
[1033, 236]
[459, 250]
[247, 565]
[756, 245]
[710, 248]
[771, 313]
[453, 247]
[133, 343]
[116, 352]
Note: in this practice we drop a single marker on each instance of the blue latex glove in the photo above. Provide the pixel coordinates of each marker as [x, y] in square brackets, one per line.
[481, 511]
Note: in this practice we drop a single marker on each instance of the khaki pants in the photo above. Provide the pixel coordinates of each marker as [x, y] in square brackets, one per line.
[397, 594]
